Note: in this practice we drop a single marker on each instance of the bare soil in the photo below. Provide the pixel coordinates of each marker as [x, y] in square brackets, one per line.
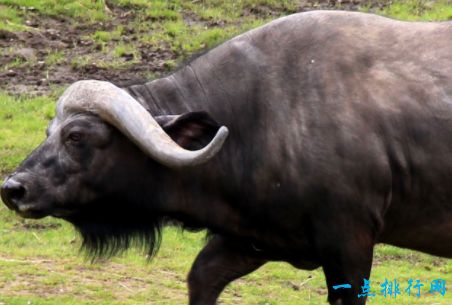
[34, 76]
[50, 34]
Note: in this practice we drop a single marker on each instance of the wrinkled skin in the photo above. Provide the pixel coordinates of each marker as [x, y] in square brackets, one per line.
[339, 139]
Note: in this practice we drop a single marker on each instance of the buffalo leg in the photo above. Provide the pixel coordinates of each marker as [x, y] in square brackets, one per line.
[220, 262]
[348, 260]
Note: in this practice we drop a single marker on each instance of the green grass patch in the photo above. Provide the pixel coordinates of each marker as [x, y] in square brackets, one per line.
[122, 56]
[233, 11]
[11, 20]
[102, 36]
[106, 36]
[22, 127]
[17, 62]
[123, 49]
[40, 263]
[419, 10]
[86, 10]
[55, 58]
[81, 61]
[134, 3]
[161, 10]
[185, 40]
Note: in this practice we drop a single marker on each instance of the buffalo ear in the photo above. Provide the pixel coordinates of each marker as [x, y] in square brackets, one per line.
[191, 130]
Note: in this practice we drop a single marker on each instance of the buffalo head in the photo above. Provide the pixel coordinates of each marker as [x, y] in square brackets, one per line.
[91, 168]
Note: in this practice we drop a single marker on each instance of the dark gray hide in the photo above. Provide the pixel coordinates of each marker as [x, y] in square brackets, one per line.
[340, 137]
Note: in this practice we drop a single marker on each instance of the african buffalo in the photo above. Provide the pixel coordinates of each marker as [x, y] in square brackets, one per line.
[340, 137]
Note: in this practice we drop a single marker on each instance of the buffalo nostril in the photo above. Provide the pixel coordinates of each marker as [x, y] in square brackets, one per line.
[12, 192]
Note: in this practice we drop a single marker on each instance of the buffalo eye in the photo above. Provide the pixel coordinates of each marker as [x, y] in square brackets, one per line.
[75, 137]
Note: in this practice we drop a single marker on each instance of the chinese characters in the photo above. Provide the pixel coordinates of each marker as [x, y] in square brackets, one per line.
[392, 288]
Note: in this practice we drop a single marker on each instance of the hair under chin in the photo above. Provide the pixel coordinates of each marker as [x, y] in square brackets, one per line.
[110, 234]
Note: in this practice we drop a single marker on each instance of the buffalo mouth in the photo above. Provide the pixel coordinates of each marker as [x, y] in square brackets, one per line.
[36, 210]
[31, 211]
[16, 196]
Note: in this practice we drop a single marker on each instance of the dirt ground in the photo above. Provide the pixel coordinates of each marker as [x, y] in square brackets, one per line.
[34, 75]
[59, 34]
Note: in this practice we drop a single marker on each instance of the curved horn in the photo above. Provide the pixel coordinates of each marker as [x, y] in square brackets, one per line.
[120, 109]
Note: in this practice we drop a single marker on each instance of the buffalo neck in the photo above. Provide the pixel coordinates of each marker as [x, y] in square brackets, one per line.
[193, 197]
[219, 84]
[177, 93]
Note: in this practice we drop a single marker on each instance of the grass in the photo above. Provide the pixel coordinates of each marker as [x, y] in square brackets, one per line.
[22, 127]
[40, 263]
[15, 63]
[106, 36]
[419, 10]
[85, 10]
[124, 49]
[39, 260]
[182, 26]
[122, 56]
[160, 22]
[11, 19]
[185, 40]
[55, 58]
[161, 11]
